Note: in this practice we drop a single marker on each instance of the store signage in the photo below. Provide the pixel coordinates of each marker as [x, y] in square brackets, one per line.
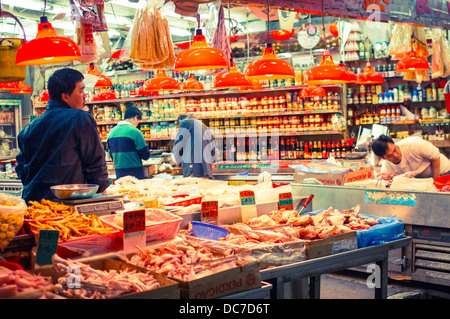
[47, 246]
[285, 201]
[248, 205]
[134, 229]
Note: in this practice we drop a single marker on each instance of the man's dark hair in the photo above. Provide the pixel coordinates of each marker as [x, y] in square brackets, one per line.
[63, 81]
[380, 145]
[131, 112]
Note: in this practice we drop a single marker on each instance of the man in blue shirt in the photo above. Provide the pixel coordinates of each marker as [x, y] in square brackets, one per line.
[127, 146]
[61, 146]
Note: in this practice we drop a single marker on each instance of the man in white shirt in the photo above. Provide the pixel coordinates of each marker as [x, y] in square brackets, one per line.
[410, 155]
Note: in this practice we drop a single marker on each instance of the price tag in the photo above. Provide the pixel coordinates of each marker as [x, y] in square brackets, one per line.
[248, 205]
[47, 245]
[134, 229]
[285, 201]
[210, 210]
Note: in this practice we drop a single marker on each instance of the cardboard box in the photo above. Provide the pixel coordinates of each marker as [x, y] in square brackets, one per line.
[223, 283]
[336, 179]
[332, 245]
[168, 290]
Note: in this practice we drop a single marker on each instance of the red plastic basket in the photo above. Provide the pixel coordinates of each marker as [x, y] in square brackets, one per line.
[442, 181]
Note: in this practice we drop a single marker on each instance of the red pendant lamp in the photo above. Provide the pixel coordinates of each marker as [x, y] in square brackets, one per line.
[231, 79]
[161, 82]
[22, 88]
[200, 56]
[269, 67]
[327, 72]
[352, 75]
[191, 84]
[313, 90]
[412, 62]
[8, 86]
[44, 96]
[369, 76]
[103, 81]
[47, 47]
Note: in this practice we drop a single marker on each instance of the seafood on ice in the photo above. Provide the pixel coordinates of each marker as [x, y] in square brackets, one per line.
[91, 283]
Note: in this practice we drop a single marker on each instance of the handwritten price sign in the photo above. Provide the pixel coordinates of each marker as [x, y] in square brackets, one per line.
[247, 197]
[134, 221]
[248, 205]
[210, 209]
[47, 246]
[285, 201]
[134, 229]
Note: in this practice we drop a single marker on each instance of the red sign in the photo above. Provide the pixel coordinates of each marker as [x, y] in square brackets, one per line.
[134, 221]
[210, 209]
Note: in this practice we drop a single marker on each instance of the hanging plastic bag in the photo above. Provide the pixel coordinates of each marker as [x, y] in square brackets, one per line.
[12, 212]
[400, 43]
[84, 11]
[440, 66]
[86, 42]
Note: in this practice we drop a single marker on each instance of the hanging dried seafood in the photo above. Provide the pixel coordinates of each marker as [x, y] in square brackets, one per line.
[149, 41]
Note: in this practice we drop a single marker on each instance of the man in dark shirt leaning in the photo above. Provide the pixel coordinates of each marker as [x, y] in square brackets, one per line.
[61, 146]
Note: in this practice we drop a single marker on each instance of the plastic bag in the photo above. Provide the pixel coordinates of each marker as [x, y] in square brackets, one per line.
[400, 41]
[12, 212]
[388, 229]
[440, 66]
[85, 11]
[86, 42]
[418, 184]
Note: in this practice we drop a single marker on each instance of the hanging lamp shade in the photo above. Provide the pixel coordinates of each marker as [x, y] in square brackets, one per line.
[313, 90]
[200, 56]
[191, 84]
[231, 79]
[44, 96]
[161, 82]
[47, 47]
[8, 86]
[352, 75]
[104, 96]
[282, 35]
[103, 81]
[269, 67]
[369, 76]
[412, 62]
[22, 88]
[327, 72]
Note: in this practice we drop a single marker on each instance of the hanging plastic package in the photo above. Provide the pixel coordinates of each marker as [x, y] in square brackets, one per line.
[150, 27]
[9, 71]
[85, 11]
[86, 42]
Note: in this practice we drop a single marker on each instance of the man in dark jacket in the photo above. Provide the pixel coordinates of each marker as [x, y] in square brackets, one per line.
[61, 146]
[194, 147]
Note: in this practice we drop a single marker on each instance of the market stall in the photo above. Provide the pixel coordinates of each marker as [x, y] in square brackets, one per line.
[269, 224]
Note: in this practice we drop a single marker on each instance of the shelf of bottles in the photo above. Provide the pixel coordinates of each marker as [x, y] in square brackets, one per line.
[241, 150]
[403, 104]
[282, 112]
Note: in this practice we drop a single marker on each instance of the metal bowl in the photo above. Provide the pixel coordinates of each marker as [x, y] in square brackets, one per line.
[74, 191]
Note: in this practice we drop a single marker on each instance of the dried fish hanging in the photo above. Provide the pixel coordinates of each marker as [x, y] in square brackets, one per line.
[440, 66]
[149, 43]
